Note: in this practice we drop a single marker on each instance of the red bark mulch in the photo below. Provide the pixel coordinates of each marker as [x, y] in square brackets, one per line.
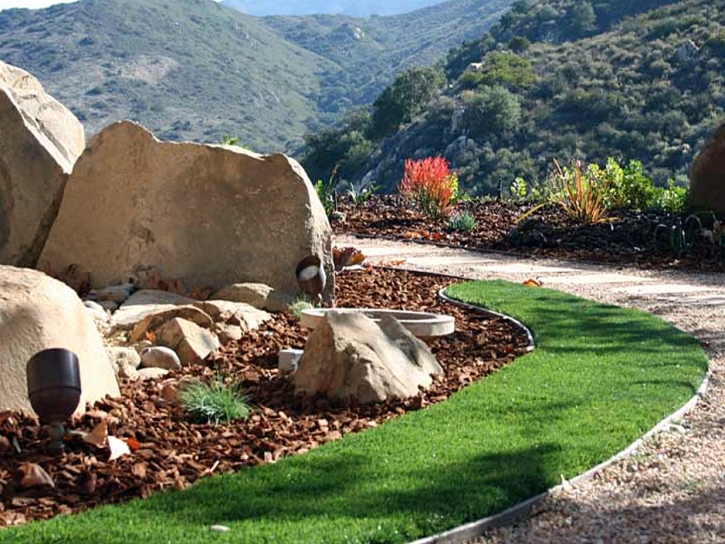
[171, 451]
[628, 238]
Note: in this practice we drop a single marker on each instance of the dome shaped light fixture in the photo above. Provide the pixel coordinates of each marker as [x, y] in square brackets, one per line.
[54, 390]
[311, 276]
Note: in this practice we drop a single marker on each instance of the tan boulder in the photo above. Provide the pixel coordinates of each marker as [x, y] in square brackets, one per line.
[153, 321]
[206, 215]
[349, 355]
[40, 140]
[37, 313]
[707, 175]
[145, 303]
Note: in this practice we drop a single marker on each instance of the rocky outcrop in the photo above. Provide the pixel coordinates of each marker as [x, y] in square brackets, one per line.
[40, 140]
[205, 215]
[350, 356]
[707, 175]
[37, 313]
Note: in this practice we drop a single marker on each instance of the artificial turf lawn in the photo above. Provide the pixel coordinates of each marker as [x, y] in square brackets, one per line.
[599, 378]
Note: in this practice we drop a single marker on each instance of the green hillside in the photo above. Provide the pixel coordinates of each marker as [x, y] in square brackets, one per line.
[647, 87]
[196, 70]
[373, 50]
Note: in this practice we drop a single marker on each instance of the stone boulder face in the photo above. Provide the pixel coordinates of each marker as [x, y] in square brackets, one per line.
[707, 175]
[207, 215]
[37, 313]
[350, 356]
[40, 140]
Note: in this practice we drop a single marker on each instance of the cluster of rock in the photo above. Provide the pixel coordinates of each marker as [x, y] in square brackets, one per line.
[125, 205]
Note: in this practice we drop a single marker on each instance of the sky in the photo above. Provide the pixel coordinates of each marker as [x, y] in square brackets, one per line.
[32, 4]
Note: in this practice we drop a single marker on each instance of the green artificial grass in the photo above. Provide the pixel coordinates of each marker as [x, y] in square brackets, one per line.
[600, 377]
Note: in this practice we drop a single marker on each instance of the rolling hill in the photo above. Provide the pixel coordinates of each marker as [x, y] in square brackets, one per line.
[355, 8]
[196, 70]
[629, 80]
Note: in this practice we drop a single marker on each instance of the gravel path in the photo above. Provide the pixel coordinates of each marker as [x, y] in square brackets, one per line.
[672, 488]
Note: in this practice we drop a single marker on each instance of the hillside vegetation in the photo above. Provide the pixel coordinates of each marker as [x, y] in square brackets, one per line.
[196, 70]
[556, 79]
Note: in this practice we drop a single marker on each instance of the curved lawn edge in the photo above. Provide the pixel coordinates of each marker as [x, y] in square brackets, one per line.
[518, 512]
[600, 377]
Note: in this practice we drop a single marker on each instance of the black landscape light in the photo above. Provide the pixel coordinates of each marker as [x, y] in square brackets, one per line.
[54, 390]
[311, 276]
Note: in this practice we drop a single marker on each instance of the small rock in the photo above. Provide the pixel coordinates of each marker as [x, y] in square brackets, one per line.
[229, 333]
[108, 305]
[219, 528]
[192, 343]
[235, 313]
[153, 321]
[125, 362]
[116, 293]
[160, 357]
[259, 295]
[152, 373]
[288, 359]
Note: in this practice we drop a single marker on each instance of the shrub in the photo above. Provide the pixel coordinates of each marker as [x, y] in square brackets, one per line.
[215, 402]
[300, 305]
[628, 187]
[462, 222]
[673, 199]
[430, 184]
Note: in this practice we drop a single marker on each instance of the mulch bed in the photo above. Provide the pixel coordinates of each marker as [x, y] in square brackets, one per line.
[170, 451]
[627, 238]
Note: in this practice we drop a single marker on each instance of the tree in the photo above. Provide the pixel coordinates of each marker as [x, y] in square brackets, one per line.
[406, 97]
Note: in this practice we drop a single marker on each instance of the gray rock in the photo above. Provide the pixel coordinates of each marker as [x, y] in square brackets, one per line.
[259, 295]
[159, 357]
[116, 293]
[108, 305]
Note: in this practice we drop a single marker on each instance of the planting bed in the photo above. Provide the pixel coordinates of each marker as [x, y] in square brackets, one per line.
[627, 237]
[171, 452]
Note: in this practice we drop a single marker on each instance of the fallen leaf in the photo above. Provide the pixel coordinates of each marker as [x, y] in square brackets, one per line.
[132, 443]
[139, 470]
[118, 448]
[151, 337]
[35, 476]
[532, 283]
[98, 435]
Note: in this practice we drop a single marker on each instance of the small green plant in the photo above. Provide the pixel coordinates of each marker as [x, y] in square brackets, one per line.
[673, 199]
[462, 222]
[326, 192]
[519, 189]
[298, 306]
[230, 140]
[360, 195]
[683, 233]
[214, 402]
[431, 185]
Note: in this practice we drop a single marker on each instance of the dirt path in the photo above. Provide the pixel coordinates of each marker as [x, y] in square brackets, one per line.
[672, 489]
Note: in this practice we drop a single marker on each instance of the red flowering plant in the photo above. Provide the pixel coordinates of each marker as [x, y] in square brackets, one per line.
[430, 184]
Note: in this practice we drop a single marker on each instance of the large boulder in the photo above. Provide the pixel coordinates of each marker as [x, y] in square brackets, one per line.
[37, 313]
[707, 175]
[206, 215]
[350, 356]
[40, 140]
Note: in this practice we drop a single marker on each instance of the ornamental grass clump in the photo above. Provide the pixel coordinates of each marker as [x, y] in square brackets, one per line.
[215, 402]
[431, 185]
[582, 193]
[462, 222]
